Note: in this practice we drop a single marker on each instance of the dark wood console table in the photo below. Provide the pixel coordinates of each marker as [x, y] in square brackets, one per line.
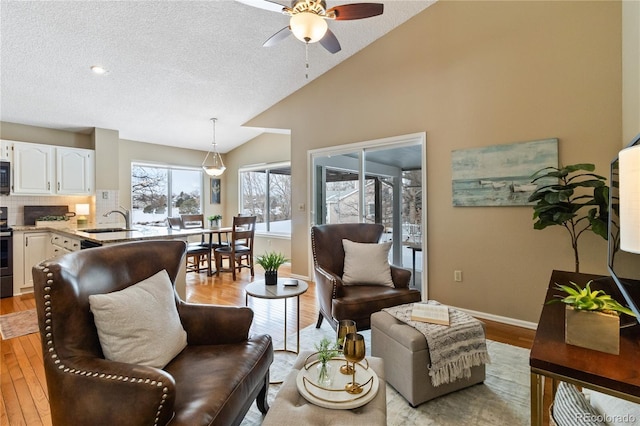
[617, 375]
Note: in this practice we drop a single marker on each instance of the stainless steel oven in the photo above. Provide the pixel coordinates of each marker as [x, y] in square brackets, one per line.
[6, 256]
[5, 178]
[6, 263]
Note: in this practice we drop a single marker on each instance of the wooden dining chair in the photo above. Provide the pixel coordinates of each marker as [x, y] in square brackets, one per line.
[240, 248]
[197, 254]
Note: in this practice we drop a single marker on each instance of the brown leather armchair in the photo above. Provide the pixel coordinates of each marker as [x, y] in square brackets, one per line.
[357, 302]
[213, 381]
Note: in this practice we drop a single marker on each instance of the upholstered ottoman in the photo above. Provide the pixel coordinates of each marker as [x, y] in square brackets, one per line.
[289, 407]
[406, 357]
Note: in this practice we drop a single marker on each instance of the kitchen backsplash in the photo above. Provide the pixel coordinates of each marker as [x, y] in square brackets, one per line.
[107, 200]
[102, 202]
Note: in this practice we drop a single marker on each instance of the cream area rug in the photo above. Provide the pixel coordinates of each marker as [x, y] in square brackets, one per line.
[503, 398]
[18, 324]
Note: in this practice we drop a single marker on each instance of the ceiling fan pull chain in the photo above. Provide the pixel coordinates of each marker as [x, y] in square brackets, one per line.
[306, 60]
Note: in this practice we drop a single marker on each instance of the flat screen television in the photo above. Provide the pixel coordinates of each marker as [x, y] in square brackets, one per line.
[624, 266]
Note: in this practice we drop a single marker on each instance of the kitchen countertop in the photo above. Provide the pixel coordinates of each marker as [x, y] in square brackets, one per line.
[138, 233]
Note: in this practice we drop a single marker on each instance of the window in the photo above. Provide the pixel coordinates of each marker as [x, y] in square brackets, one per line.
[158, 192]
[265, 192]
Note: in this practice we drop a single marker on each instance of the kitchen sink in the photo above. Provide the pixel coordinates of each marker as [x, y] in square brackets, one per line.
[104, 230]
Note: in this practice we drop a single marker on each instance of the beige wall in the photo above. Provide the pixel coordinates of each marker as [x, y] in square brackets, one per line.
[473, 74]
[33, 134]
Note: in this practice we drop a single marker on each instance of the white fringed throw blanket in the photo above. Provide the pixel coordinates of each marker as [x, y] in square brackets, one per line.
[453, 349]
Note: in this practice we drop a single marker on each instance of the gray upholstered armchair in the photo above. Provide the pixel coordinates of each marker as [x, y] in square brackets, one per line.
[216, 375]
[356, 302]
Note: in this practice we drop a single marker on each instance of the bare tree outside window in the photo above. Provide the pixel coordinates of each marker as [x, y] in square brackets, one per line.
[266, 194]
[149, 188]
[160, 192]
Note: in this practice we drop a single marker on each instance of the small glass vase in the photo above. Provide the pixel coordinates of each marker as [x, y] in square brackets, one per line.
[325, 379]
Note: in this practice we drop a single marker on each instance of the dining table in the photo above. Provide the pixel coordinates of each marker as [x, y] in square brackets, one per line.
[211, 232]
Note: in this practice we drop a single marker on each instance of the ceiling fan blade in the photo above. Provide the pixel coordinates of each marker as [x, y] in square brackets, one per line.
[277, 37]
[330, 42]
[265, 4]
[356, 11]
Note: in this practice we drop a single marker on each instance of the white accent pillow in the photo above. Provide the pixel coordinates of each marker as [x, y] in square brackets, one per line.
[366, 263]
[140, 324]
[616, 411]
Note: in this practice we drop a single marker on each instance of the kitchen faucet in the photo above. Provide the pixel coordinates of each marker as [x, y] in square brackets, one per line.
[125, 214]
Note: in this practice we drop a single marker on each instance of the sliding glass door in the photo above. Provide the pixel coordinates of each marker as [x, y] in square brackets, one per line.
[375, 182]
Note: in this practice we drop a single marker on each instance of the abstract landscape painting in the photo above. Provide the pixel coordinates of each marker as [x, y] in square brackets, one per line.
[500, 175]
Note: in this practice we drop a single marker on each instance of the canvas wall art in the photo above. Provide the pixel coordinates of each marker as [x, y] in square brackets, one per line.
[500, 175]
[215, 191]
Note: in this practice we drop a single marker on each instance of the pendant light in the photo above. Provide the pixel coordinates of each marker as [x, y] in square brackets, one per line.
[218, 166]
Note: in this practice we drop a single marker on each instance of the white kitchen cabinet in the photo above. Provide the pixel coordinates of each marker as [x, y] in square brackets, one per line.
[37, 248]
[32, 168]
[47, 169]
[74, 171]
[6, 150]
[61, 244]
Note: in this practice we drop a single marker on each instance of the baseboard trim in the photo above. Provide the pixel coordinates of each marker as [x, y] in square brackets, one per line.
[477, 314]
[501, 319]
[301, 277]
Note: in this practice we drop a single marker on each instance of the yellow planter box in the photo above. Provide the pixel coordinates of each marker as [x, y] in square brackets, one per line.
[592, 330]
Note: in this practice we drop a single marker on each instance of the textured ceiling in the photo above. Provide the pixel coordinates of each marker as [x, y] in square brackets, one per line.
[172, 65]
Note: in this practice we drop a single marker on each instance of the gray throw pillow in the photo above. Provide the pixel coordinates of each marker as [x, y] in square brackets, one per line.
[140, 324]
[366, 263]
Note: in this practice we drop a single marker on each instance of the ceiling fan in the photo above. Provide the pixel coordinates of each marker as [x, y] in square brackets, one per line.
[308, 19]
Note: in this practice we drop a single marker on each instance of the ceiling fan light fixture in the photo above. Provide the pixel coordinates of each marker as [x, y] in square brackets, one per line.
[308, 27]
[218, 167]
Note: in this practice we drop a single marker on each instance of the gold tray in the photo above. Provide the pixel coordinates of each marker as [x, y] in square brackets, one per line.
[337, 397]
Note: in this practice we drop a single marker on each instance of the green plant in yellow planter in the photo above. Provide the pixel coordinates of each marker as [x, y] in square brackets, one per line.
[592, 317]
[270, 262]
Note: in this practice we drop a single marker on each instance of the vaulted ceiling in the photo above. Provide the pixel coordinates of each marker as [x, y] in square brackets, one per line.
[171, 65]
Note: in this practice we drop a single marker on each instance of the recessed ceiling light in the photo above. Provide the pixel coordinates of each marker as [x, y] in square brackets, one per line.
[97, 69]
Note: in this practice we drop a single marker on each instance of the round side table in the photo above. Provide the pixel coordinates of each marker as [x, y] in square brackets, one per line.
[260, 290]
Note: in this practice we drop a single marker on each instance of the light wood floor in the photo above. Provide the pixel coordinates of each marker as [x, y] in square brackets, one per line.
[24, 391]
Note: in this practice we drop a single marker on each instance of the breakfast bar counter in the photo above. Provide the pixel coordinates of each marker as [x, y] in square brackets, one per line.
[96, 237]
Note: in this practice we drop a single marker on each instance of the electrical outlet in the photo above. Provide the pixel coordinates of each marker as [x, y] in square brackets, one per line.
[457, 276]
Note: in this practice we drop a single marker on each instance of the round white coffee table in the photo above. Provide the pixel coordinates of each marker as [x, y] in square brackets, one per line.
[280, 291]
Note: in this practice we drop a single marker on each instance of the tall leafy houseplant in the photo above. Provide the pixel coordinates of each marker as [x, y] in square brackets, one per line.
[564, 203]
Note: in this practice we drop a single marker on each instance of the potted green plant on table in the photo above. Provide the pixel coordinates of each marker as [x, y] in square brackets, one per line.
[270, 262]
[562, 203]
[326, 351]
[592, 317]
[214, 220]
